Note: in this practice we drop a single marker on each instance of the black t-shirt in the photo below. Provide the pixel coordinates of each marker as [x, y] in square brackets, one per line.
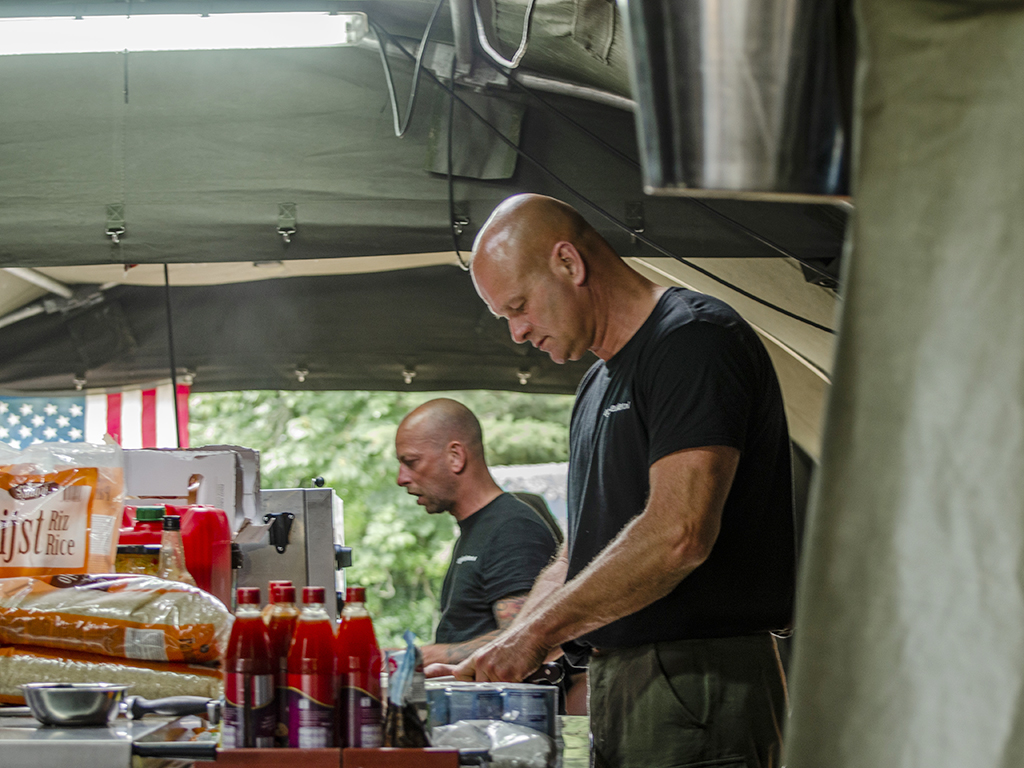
[501, 549]
[695, 374]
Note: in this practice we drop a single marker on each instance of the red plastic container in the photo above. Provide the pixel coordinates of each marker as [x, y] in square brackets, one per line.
[144, 531]
[359, 662]
[250, 716]
[311, 687]
[206, 534]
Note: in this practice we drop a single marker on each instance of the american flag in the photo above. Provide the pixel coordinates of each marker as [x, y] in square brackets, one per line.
[134, 417]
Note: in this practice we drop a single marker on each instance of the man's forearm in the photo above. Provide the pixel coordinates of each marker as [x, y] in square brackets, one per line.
[453, 653]
[629, 574]
[648, 558]
[651, 555]
[505, 612]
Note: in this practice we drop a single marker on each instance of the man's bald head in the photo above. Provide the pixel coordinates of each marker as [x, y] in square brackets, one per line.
[559, 284]
[441, 459]
[442, 421]
[522, 230]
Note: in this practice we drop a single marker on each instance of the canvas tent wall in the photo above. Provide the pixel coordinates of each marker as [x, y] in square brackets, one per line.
[910, 624]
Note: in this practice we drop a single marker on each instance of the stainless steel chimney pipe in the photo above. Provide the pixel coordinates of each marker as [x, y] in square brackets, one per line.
[739, 98]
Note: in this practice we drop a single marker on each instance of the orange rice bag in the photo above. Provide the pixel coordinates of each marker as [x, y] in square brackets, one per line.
[60, 505]
[149, 679]
[123, 615]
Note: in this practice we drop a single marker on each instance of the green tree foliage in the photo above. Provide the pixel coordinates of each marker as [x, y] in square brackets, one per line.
[400, 553]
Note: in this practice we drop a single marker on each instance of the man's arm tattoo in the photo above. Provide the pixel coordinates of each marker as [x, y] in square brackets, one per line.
[505, 612]
[506, 609]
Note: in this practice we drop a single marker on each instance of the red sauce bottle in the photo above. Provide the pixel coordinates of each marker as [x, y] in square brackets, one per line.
[359, 662]
[281, 618]
[311, 693]
[249, 714]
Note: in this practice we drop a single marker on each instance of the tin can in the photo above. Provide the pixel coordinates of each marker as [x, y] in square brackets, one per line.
[533, 706]
[437, 701]
[461, 704]
[464, 701]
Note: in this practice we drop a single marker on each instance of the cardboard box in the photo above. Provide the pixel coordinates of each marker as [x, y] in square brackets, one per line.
[230, 478]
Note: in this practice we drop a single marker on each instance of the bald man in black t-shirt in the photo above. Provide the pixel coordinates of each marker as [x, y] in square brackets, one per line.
[680, 556]
[503, 543]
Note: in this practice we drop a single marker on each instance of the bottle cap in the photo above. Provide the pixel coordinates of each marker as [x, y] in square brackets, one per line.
[149, 514]
[355, 595]
[248, 595]
[312, 595]
[282, 593]
[276, 588]
[172, 523]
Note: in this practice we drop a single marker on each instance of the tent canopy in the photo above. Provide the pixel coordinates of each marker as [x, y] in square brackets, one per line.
[203, 158]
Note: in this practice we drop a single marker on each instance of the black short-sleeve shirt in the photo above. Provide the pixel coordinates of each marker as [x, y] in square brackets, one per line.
[501, 549]
[695, 374]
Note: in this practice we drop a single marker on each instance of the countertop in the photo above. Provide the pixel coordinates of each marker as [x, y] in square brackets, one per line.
[576, 737]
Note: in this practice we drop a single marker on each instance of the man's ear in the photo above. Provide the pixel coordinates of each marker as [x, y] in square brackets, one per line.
[568, 261]
[456, 456]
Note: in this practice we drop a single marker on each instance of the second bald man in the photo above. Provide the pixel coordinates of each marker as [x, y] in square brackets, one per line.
[503, 544]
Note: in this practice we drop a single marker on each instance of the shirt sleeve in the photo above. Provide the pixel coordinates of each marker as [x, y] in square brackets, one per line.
[520, 550]
[700, 391]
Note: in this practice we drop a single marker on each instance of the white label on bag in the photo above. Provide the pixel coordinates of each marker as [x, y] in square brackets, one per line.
[146, 644]
[44, 532]
[100, 531]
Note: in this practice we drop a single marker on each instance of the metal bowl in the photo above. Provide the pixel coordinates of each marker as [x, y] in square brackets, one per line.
[73, 703]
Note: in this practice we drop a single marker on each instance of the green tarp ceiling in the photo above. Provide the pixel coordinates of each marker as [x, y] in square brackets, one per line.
[201, 149]
[347, 331]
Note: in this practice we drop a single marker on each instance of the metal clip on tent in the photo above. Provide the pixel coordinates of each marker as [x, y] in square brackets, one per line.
[287, 224]
[115, 222]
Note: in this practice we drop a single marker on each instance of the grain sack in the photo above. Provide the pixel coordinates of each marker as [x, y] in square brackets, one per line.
[151, 680]
[122, 615]
[60, 505]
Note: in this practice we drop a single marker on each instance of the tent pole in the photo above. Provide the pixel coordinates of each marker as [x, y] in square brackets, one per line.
[170, 349]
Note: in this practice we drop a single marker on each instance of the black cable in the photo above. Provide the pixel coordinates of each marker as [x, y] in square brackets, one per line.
[402, 125]
[170, 349]
[451, 180]
[598, 209]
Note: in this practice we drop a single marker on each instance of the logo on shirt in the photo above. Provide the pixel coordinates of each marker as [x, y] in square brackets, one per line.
[616, 408]
[466, 559]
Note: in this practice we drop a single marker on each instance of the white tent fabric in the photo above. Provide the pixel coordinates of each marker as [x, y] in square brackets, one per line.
[910, 623]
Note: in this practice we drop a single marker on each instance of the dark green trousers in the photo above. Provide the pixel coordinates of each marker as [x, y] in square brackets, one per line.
[692, 703]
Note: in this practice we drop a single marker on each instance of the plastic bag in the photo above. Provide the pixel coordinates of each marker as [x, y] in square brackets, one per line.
[121, 615]
[151, 680]
[510, 745]
[60, 504]
[404, 724]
